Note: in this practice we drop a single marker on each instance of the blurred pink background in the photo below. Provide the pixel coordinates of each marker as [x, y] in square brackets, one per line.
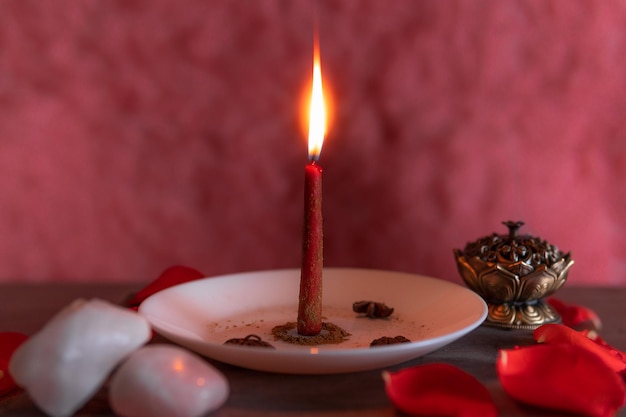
[139, 134]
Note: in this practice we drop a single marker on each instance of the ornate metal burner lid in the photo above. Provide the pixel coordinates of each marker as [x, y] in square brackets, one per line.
[520, 253]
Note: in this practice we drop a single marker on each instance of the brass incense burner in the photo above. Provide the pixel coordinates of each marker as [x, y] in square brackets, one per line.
[514, 274]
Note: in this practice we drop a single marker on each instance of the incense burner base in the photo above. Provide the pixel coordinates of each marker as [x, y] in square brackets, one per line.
[520, 316]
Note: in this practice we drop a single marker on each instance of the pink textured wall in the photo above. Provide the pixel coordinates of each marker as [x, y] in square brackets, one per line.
[139, 134]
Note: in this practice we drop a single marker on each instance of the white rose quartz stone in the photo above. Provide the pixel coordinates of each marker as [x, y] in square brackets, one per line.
[165, 381]
[64, 364]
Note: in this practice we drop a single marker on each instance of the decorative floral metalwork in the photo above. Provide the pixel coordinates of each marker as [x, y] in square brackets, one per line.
[514, 274]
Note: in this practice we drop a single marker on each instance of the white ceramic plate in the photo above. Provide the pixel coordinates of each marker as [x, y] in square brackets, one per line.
[201, 315]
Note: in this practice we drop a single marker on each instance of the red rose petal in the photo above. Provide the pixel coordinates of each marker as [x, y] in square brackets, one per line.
[9, 341]
[576, 316]
[559, 333]
[562, 377]
[438, 390]
[594, 336]
[173, 275]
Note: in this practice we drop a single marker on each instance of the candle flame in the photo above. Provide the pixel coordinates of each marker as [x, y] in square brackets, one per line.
[317, 110]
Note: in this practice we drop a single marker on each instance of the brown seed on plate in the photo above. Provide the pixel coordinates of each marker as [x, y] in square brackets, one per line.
[372, 309]
[250, 340]
[386, 340]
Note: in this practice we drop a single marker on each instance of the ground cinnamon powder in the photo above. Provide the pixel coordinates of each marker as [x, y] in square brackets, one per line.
[330, 334]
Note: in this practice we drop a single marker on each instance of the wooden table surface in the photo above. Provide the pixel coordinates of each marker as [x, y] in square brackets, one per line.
[26, 308]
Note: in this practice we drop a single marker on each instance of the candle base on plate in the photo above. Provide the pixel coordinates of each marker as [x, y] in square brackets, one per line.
[330, 334]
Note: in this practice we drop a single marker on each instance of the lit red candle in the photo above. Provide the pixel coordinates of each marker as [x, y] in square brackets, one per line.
[310, 300]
